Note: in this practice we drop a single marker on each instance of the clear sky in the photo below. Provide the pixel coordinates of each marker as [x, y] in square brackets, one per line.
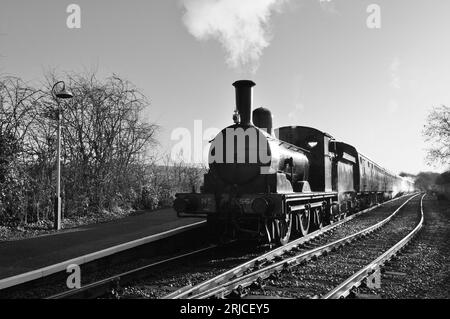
[322, 66]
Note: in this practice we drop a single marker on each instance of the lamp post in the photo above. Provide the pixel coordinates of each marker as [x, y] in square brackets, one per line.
[62, 94]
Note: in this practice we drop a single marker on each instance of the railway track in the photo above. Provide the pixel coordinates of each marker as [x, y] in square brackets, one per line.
[422, 270]
[374, 267]
[111, 286]
[238, 281]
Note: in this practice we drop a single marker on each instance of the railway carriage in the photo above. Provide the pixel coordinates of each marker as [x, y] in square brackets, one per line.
[277, 185]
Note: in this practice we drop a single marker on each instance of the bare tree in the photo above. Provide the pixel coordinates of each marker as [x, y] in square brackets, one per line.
[105, 143]
[18, 105]
[104, 137]
[437, 133]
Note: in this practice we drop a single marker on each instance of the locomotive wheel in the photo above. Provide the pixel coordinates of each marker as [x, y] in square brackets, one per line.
[304, 219]
[282, 230]
[319, 218]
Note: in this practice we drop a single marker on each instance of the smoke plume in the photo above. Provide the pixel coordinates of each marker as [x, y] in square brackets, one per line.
[241, 26]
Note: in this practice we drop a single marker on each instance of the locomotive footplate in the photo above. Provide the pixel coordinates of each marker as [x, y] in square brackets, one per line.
[271, 216]
[194, 204]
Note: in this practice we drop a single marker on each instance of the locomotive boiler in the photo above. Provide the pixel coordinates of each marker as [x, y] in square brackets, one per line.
[274, 185]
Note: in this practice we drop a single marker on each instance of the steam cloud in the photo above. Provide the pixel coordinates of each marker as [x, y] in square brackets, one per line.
[241, 26]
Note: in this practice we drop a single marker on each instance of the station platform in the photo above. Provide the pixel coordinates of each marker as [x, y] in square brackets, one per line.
[28, 259]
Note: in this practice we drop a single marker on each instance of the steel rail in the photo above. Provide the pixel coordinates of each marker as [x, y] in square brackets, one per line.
[344, 289]
[239, 276]
[99, 288]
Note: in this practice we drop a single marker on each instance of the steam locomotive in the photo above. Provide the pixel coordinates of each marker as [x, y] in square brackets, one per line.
[276, 185]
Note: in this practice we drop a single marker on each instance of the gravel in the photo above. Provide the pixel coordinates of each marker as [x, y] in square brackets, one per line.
[191, 272]
[423, 268]
[318, 277]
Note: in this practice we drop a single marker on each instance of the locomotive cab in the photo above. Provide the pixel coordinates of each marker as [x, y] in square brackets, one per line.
[320, 158]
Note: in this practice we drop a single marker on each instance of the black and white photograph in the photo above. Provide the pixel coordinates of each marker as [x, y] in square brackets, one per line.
[240, 156]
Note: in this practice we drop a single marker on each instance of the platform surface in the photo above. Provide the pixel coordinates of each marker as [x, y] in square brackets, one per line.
[25, 255]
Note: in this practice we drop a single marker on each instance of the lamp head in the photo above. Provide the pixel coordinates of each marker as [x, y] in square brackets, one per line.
[63, 93]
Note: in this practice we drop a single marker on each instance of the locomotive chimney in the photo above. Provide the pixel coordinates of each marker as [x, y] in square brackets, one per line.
[244, 100]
